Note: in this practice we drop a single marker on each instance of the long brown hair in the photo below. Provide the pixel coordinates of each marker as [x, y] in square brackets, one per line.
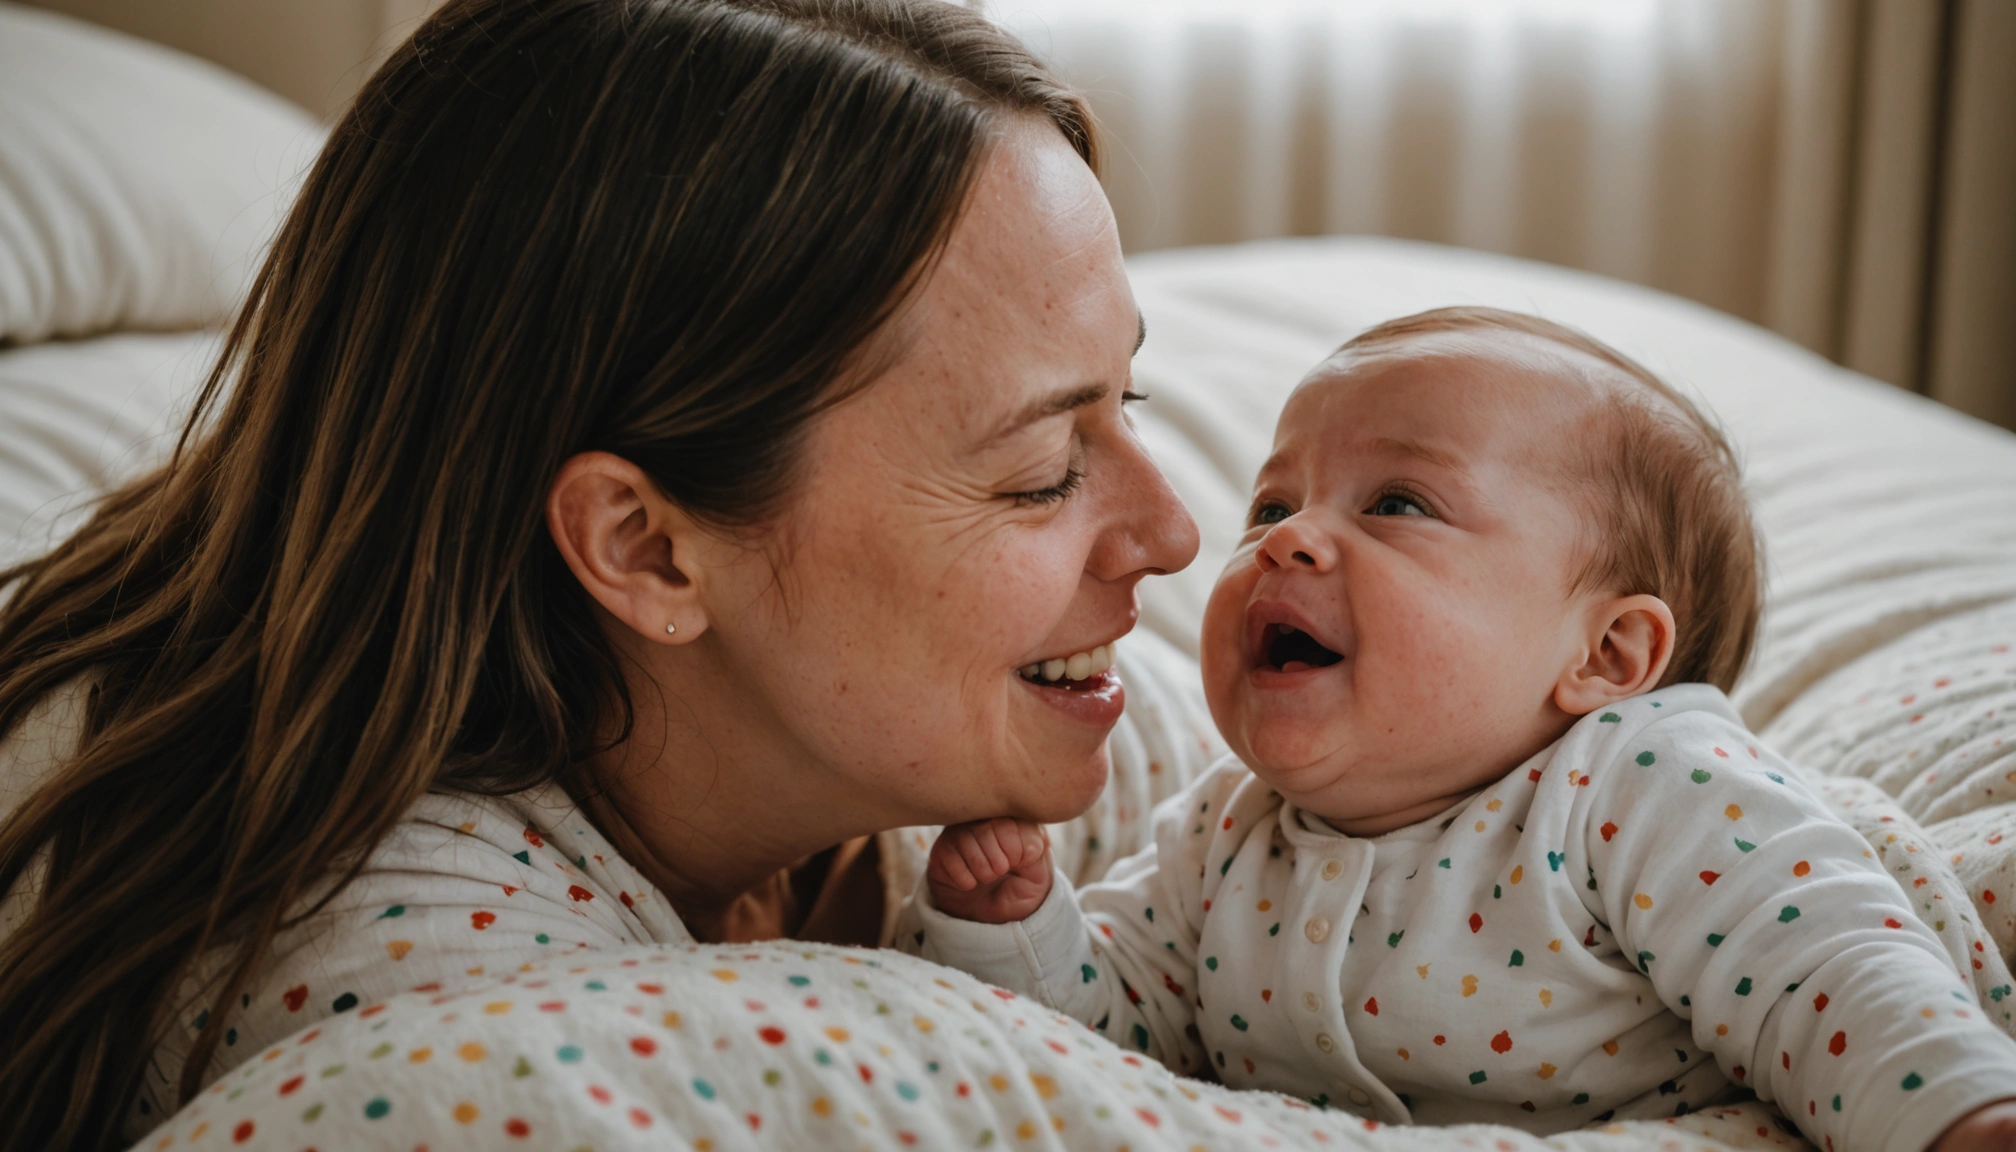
[659, 228]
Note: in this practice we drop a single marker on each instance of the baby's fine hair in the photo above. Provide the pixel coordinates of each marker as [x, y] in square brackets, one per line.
[1671, 519]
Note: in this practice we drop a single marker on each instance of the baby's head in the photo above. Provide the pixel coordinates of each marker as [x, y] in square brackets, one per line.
[1476, 527]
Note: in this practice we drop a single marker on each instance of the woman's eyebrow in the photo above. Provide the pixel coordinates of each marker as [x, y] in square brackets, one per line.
[1056, 403]
[1066, 399]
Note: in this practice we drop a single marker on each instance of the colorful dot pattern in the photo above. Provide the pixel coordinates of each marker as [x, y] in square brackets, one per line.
[1605, 934]
[471, 888]
[1930, 718]
[466, 887]
[778, 1045]
[493, 1102]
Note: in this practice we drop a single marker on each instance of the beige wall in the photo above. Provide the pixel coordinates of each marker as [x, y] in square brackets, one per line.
[314, 52]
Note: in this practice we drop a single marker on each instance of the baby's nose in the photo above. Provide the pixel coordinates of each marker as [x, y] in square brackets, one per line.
[1293, 544]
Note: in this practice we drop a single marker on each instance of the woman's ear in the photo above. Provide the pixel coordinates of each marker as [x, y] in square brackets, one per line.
[1625, 650]
[631, 548]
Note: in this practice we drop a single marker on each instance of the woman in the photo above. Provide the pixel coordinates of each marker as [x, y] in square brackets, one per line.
[668, 442]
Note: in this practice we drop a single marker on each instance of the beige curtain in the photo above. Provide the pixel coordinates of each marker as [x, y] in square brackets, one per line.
[1843, 171]
[1895, 250]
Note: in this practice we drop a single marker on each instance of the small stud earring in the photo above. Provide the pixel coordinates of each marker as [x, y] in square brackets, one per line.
[671, 629]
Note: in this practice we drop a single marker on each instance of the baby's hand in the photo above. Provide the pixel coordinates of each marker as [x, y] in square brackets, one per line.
[993, 871]
[1992, 1126]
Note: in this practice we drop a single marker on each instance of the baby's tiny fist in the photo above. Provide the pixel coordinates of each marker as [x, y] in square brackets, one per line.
[992, 871]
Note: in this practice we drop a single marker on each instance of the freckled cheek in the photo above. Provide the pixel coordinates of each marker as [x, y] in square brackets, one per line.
[998, 602]
[1222, 639]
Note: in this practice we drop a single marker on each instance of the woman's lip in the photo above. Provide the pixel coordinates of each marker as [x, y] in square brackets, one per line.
[1097, 704]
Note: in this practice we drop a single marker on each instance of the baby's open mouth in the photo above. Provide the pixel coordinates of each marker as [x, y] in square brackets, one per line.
[1289, 649]
[1078, 670]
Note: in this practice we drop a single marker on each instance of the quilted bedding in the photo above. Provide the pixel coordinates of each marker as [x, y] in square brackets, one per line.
[1885, 670]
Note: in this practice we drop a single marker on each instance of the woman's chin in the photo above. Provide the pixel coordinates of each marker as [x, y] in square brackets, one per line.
[1066, 795]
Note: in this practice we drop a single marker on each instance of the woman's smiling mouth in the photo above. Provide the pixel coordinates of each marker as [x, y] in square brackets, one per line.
[1069, 671]
[1084, 685]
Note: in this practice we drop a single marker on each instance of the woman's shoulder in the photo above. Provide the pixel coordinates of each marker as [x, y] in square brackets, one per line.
[466, 882]
[465, 887]
[508, 864]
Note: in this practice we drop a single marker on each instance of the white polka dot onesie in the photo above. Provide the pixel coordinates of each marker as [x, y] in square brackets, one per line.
[1651, 915]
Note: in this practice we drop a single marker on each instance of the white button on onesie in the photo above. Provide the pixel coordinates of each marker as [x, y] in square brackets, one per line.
[1651, 915]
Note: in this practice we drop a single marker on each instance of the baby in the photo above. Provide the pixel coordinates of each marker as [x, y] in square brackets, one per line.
[1494, 846]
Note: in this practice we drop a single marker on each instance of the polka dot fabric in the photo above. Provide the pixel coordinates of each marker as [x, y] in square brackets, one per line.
[465, 887]
[1930, 718]
[1650, 916]
[469, 887]
[774, 1046]
[1924, 869]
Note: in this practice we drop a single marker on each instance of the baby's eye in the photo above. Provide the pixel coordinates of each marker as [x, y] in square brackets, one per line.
[1398, 504]
[1267, 514]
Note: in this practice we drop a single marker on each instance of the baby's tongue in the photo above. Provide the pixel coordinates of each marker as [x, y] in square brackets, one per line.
[1296, 666]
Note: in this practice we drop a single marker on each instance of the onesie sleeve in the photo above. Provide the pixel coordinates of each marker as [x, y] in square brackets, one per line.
[1767, 922]
[1117, 955]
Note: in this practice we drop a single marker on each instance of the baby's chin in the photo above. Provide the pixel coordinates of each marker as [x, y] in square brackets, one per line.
[1323, 773]
[1288, 743]
[1341, 796]
[1302, 773]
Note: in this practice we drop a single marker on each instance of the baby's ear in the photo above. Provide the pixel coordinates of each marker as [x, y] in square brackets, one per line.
[1626, 645]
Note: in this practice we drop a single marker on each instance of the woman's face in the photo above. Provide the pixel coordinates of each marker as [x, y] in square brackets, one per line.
[983, 506]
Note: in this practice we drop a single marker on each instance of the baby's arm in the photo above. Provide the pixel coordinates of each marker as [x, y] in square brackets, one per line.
[1767, 922]
[1119, 956]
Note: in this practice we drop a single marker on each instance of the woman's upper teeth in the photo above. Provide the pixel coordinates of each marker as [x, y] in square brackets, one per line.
[1076, 666]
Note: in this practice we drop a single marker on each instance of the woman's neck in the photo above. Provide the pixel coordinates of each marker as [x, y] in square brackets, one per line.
[700, 882]
[711, 812]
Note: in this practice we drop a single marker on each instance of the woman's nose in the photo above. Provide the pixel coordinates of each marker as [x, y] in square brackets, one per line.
[1155, 535]
[1296, 543]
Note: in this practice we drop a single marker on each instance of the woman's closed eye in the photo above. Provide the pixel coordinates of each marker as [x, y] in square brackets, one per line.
[1399, 502]
[1073, 477]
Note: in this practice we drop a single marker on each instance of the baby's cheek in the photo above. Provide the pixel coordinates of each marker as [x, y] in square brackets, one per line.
[1220, 641]
[1473, 690]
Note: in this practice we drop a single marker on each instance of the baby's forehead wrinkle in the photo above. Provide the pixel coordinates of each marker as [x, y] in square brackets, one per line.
[1420, 451]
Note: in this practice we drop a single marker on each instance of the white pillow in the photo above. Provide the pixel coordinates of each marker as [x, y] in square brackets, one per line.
[138, 186]
[77, 417]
